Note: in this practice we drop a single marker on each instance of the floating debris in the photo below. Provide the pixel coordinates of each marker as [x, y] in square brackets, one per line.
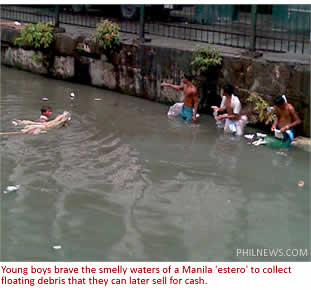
[261, 135]
[301, 183]
[86, 48]
[72, 95]
[15, 123]
[97, 99]
[44, 98]
[17, 23]
[31, 127]
[281, 153]
[249, 136]
[57, 247]
[11, 188]
[259, 142]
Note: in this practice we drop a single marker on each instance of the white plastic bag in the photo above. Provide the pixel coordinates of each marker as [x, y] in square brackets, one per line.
[175, 109]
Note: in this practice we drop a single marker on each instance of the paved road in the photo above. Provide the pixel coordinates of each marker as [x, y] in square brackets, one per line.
[233, 34]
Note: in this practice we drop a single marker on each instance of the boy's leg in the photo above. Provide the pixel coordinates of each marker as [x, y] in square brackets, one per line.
[226, 128]
[288, 137]
[189, 115]
[181, 115]
[240, 127]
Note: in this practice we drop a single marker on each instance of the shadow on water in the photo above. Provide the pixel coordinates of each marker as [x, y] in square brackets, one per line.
[125, 183]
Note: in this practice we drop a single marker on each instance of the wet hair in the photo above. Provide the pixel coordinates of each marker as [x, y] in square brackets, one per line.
[278, 101]
[228, 89]
[45, 109]
[189, 77]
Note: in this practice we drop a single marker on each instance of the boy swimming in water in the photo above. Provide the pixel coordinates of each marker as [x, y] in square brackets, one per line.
[46, 113]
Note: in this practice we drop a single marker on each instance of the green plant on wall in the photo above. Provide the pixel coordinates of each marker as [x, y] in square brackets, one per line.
[107, 35]
[40, 35]
[80, 49]
[260, 108]
[37, 59]
[205, 57]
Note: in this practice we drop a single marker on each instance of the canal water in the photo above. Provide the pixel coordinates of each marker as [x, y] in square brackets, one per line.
[125, 183]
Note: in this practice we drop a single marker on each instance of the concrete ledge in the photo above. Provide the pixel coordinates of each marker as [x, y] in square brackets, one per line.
[9, 31]
[302, 143]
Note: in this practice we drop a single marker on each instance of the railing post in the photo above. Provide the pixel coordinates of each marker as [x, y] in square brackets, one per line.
[253, 32]
[56, 16]
[142, 23]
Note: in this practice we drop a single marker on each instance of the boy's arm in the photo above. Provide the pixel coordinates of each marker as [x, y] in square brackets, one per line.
[234, 117]
[275, 122]
[179, 88]
[222, 107]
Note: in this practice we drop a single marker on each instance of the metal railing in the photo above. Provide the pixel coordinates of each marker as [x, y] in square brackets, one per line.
[281, 28]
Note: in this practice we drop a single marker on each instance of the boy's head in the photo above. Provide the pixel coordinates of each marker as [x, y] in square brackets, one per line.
[228, 89]
[188, 77]
[46, 111]
[278, 101]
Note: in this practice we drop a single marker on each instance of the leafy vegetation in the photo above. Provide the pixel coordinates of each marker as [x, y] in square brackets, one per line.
[107, 35]
[40, 35]
[37, 59]
[205, 57]
[261, 108]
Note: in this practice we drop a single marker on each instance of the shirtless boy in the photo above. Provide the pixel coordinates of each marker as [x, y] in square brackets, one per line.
[190, 107]
[286, 118]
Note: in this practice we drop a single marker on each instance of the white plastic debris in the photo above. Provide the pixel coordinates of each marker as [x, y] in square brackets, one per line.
[86, 48]
[261, 135]
[269, 109]
[281, 153]
[175, 109]
[14, 123]
[259, 142]
[97, 99]
[278, 134]
[249, 136]
[301, 183]
[57, 247]
[11, 188]
[72, 95]
[44, 98]
[17, 23]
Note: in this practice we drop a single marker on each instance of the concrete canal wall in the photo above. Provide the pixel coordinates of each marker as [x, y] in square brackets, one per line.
[139, 68]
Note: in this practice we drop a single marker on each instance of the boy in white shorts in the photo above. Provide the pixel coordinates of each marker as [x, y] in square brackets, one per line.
[233, 121]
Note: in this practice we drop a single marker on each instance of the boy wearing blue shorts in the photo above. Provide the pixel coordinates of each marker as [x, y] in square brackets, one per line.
[190, 106]
[286, 119]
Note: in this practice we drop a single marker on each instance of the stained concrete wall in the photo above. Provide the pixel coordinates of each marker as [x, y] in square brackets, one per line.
[138, 70]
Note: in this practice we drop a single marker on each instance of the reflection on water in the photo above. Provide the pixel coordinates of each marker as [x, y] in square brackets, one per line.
[124, 183]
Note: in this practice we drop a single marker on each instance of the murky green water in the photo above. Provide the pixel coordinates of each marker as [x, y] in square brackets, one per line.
[124, 183]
